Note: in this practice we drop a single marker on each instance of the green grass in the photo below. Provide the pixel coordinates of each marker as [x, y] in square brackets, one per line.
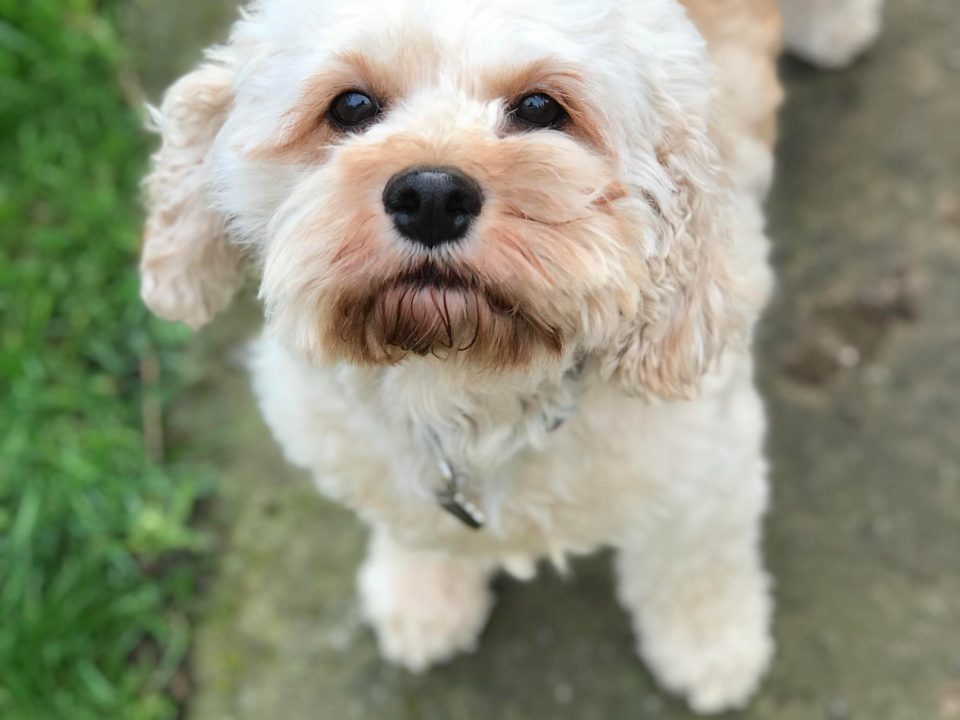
[96, 550]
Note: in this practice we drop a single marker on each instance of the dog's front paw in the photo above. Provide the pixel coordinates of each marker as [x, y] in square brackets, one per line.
[425, 608]
[715, 659]
[702, 622]
[722, 674]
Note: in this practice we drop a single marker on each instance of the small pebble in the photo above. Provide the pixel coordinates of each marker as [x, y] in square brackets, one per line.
[848, 357]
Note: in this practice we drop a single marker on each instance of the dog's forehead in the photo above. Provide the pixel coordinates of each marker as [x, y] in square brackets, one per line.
[443, 60]
[465, 32]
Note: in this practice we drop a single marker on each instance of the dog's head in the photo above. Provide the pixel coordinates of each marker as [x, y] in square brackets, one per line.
[500, 184]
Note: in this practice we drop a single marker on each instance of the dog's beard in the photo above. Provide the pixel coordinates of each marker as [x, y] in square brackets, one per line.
[449, 314]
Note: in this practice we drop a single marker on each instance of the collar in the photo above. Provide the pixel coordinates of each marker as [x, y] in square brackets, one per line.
[453, 495]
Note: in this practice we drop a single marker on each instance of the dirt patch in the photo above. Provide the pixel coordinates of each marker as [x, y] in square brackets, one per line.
[846, 333]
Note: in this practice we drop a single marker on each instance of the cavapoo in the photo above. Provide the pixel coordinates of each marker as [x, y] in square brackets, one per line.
[510, 254]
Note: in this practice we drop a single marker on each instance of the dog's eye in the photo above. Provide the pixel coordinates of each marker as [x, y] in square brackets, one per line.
[540, 110]
[352, 109]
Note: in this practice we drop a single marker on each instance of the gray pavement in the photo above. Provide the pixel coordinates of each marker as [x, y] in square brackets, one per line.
[860, 362]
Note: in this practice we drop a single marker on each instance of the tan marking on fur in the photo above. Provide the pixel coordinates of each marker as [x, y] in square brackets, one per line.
[563, 83]
[744, 39]
[677, 336]
[188, 271]
[308, 132]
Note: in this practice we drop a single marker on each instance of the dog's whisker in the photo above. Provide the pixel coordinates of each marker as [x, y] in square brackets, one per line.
[448, 324]
[477, 324]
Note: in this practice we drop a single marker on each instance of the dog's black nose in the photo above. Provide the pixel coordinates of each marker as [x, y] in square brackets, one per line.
[432, 206]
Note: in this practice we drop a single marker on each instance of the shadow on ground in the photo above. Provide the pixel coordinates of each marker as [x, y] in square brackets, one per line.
[860, 362]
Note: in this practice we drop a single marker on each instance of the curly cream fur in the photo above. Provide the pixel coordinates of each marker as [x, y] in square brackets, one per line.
[619, 264]
[188, 271]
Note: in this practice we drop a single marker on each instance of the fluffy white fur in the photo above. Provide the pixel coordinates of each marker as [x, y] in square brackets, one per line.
[610, 286]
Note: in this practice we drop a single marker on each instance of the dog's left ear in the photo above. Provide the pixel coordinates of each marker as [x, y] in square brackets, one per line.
[690, 306]
[188, 271]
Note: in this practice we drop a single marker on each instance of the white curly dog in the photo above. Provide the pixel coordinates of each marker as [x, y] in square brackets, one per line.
[511, 253]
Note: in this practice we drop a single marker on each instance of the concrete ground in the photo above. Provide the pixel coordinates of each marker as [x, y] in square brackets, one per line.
[860, 362]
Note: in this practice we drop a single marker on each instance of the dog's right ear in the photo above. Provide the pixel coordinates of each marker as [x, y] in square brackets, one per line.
[188, 271]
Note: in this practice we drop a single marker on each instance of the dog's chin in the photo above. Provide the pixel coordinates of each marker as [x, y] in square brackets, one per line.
[447, 315]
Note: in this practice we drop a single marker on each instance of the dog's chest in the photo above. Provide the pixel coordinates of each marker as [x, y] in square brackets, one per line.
[475, 444]
[474, 466]
[541, 463]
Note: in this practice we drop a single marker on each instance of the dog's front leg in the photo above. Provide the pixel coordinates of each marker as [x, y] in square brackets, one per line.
[700, 598]
[425, 606]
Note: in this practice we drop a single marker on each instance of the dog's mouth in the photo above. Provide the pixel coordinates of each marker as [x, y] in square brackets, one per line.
[431, 275]
[440, 311]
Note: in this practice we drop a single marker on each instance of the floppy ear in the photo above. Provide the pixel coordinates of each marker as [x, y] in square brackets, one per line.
[188, 271]
[690, 305]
